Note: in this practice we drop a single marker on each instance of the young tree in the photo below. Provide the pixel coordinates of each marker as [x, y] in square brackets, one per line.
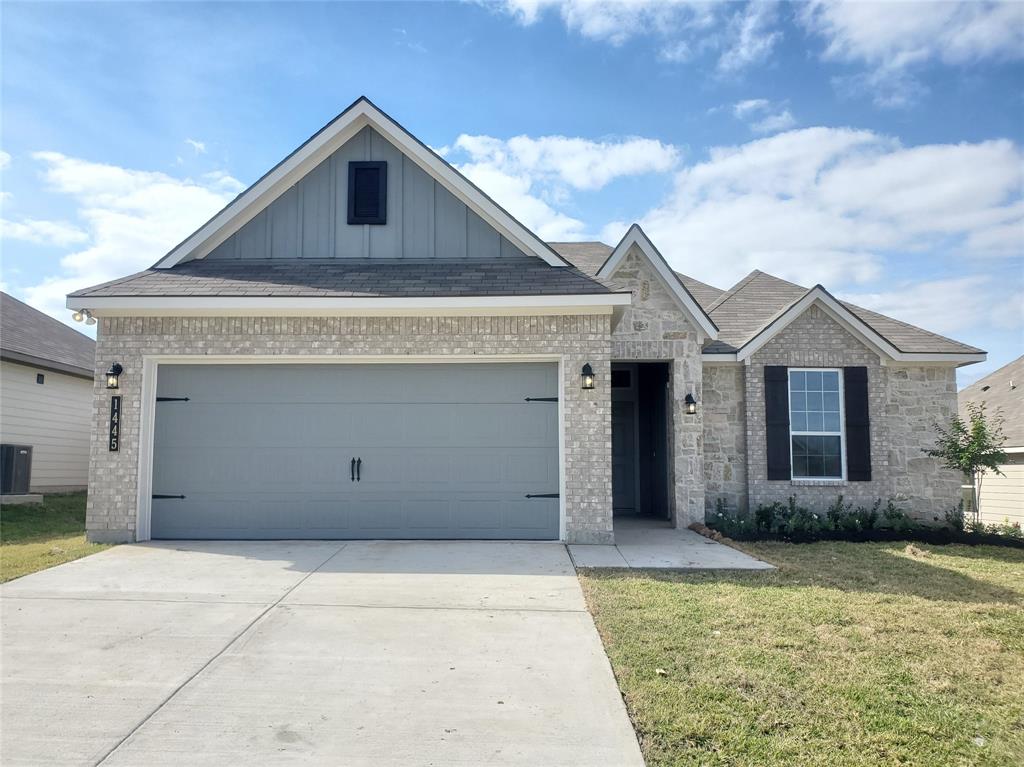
[972, 447]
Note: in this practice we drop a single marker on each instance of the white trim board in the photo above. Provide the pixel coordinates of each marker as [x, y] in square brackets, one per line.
[151, 371]
[637, 236]
[364, 306]
[321, 145]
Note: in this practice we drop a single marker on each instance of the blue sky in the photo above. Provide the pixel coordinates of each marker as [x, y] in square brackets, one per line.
[876, 148]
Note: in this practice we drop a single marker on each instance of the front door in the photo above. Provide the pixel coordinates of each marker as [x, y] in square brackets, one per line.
[624, 439]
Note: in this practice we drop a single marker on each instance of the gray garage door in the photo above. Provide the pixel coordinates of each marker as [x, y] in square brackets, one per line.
[441, 451]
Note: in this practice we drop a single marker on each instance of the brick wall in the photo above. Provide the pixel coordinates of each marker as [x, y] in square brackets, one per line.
[904, 403]
[578, 339]
[655, 328]
[725, 436]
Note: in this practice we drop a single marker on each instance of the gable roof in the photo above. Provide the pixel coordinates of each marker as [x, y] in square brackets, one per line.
[636, 237]
[31, 337]
[756, 307]
[1001, 390]
[588, 257]
[322, 144]
[760, 305]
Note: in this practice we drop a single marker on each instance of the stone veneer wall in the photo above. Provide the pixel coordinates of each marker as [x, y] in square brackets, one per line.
[725, 436]
[903, 402]
[654, 328]
[113, 478]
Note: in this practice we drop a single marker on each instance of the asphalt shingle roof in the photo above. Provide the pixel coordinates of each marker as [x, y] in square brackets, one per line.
[1001, 391]
[28, 335]
[588, 257]
[746, 308]
[354, 278]
[585, 256]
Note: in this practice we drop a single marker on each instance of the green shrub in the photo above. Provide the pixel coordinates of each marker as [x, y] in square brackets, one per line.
[841, 520]
[955, 518]
[895, 518]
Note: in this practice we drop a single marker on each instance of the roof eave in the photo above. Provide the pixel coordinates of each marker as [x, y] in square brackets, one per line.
[100, 306]
[636, 236]
[31, 360]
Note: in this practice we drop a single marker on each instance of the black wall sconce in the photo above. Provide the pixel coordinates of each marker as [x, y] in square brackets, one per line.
[113, 374]
[587, 374]
[691, 405]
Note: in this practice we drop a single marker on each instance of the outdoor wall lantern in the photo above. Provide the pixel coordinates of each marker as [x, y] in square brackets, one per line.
[691, 405]
[113, 374]
[587, 374]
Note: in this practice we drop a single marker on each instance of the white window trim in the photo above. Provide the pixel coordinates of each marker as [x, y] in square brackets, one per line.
[842, 425]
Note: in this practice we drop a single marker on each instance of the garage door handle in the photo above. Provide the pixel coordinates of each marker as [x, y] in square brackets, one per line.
[352, 469]
[542, 495]
[359, 469]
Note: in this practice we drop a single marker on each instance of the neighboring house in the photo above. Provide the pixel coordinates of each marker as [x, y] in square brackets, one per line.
[46, 399]
[364, 345]
[1002, 496]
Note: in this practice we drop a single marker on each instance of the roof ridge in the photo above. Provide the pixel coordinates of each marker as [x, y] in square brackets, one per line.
[733, 290]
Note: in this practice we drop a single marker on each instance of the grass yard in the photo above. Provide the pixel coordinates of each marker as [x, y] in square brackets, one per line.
[36, 537]
[850, 654]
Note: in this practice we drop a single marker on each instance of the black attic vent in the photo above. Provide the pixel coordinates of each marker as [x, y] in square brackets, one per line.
[368, 192]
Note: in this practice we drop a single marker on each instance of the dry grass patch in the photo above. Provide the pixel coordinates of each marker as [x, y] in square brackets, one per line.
[849, 654]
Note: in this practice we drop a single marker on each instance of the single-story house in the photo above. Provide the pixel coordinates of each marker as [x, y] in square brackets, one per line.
[1001, 496]
[363, 344]
[46, 401]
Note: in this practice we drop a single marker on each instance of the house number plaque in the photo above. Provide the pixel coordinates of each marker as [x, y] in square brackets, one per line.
[115, 423]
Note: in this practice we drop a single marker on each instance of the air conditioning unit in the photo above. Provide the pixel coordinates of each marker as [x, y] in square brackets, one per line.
[15, 469]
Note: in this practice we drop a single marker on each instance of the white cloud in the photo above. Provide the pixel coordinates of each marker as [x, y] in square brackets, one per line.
[683, 27]
[132, 218]
[5, 159]
[59, 233]
[743, 109]
[763, 116]
[197, 146]
[528, 176]
[893, 38]
[947, 306]
[829, 204]
[751, 37]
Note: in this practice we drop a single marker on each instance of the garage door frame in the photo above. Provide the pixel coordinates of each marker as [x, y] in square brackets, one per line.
[151, 371]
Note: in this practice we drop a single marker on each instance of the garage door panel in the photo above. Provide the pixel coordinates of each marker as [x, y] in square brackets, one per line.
[265, 451]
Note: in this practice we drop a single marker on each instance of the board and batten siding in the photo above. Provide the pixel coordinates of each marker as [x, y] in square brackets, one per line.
[310, 220]
[54, 417]
[1002, 497]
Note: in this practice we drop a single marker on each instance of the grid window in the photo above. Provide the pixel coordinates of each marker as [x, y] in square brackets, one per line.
[815, 423]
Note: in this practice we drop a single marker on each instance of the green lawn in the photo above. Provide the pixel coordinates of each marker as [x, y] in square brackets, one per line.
[36, 537]
[849, 654]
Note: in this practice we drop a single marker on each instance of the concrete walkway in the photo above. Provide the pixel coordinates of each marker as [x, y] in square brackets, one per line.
[651, 543]
[324, 653]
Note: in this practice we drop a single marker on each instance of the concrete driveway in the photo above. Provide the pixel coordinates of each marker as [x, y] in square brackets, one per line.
[363, 653]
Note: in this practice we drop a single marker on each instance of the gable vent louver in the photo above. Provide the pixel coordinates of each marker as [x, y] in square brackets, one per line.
[367, 192]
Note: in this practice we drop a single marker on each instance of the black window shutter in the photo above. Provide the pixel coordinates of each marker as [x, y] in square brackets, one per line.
[367, 192]
[776, 411]
[858, 428]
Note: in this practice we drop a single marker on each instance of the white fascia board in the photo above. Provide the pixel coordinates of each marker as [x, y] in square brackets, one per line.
[636, 236]
[854, 325]
[719, 358]
[324, 143]
[1013, 450]
[600, 303]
